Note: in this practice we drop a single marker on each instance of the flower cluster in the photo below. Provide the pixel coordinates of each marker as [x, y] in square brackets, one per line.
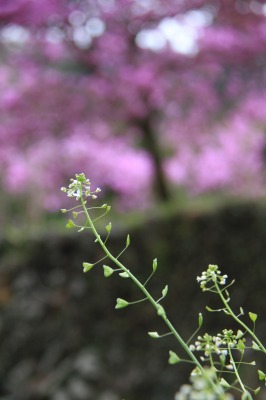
[220, 343]
[79, 187]
[200, 388]
[213, 275]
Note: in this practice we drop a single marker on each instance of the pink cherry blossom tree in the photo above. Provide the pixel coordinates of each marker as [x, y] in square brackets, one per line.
[142, 96]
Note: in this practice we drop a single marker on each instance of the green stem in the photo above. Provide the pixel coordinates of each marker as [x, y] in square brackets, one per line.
[238, 376]
[235, 317]
[150, 298]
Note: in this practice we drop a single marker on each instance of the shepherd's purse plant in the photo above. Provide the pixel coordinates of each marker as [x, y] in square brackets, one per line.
[216, 359]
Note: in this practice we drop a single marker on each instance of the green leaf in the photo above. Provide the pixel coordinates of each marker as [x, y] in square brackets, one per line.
[154, 264]
[256, 391]
[128, 241]
[75, 214]
[87, 266]
[165, 291]
[70, 224]
[262, 375]
[109, 227]
[241, 345]
[255, 346]
[121, 303]
[200, 320]
[107, 271]
[196, 372]
[160, 310]
[154, 335]
[253, 316]
[173, 358]
[224, 383]
[124, 275]
[239, 334]
[211, 310]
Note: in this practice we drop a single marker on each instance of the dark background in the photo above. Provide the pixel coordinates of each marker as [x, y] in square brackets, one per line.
[60, 335]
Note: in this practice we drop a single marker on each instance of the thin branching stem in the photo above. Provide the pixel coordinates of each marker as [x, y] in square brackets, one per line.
[238, 320]
[114, 259]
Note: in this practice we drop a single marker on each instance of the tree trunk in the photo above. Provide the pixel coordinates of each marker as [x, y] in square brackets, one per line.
[152, 146]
